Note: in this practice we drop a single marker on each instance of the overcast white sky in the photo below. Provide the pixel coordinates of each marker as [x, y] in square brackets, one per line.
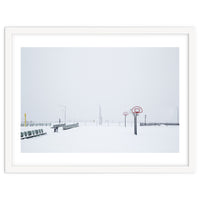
[84, 78]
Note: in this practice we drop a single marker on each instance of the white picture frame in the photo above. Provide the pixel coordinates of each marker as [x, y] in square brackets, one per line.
[11, 166]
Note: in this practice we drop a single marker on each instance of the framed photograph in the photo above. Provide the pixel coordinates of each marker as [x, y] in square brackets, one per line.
[99, 100]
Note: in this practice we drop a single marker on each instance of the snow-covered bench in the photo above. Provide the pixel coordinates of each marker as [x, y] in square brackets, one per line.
[56, 126]
[32, 133]
[69, 126]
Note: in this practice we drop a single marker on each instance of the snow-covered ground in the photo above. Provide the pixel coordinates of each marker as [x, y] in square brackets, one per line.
[102, 139]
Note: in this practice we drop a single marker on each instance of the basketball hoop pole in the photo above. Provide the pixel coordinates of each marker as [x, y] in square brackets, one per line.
[135, 111]
[125, 115]
[135, 123]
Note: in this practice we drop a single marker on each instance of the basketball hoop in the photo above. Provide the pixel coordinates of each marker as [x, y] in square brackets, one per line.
[125, 113]
[136, 109]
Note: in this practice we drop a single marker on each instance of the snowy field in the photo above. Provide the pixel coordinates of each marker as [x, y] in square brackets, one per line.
[102, 139]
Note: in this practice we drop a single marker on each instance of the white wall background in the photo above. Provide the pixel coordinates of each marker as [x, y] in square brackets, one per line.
[95, 13]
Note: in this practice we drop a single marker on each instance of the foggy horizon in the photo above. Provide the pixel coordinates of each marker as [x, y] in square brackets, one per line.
[83, 79]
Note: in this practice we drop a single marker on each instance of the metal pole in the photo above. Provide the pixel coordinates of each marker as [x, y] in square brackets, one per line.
[25, 119]
[100, 116]
[65, 111]
[65, 115]
[135, 123]
[177, 115]
[125, 120]
[145, 119]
